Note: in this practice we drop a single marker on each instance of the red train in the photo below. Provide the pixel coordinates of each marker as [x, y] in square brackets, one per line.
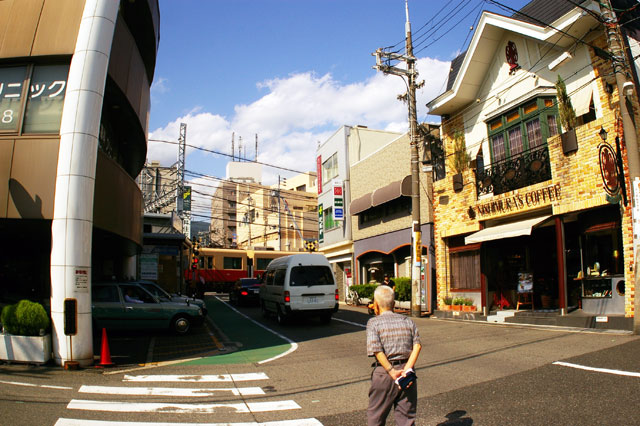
[220, 268]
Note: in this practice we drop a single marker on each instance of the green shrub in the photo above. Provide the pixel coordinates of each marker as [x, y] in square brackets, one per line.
[468, 302]
[447, 300]
[403, 289]
[365, 290]
[25, 318]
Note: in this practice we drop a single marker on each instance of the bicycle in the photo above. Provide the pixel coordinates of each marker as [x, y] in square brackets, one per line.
[352, 298]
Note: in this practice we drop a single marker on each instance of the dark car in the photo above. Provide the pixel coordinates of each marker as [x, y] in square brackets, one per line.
[246, 291]
[164, 296]
[129, 306]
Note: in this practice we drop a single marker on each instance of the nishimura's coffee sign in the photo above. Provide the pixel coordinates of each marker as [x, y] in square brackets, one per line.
[518, 201]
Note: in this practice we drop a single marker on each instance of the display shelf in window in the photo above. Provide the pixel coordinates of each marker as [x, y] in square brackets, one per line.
[596, 288]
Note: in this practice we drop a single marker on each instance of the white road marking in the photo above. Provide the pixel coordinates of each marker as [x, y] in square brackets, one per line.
[293, 344]
[197, 378]
[189, 392]
[160, 407]
[598, 370]
[350, 322]
[83, 422]
[36, 386]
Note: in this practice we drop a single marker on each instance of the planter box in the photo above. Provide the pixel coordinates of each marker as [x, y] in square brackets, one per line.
[35, 349]
[467, 308]
[569, 141]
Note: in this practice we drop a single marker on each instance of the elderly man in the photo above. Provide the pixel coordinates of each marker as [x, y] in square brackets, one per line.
[394, 341]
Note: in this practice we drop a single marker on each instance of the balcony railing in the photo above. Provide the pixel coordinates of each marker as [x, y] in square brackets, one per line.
[525, 169]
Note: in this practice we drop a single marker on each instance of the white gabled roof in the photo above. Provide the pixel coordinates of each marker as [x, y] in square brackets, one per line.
[489, 33]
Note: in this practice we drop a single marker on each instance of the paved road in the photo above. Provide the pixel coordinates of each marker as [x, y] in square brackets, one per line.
[255, 370]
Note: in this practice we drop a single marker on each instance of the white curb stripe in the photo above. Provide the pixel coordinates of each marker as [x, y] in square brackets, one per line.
[156, 391]
[159, 407]
[36, 386]
[599, 370]
[197, 378]
[82, 422]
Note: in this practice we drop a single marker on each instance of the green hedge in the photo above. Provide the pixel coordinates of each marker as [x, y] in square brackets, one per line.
[403, 289]
[25, 318]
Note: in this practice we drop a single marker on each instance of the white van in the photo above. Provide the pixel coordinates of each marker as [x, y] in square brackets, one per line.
[300, 284]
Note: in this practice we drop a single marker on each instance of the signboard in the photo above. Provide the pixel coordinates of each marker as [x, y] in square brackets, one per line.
[338, 201]
[320, 224]
[149, 266]
[186, 199]
[82, 281]
[525, 282]
[319, 172]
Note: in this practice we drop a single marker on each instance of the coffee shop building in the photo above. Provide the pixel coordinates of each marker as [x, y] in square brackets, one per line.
[530, 224]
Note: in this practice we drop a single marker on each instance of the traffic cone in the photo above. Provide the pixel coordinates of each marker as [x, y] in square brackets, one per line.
[105, 354]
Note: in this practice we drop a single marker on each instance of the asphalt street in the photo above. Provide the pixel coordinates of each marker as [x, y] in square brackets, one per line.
[310, 373]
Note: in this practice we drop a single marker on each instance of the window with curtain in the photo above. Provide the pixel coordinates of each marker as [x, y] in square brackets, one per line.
[519, 129]
[330, 168]
[465, 270]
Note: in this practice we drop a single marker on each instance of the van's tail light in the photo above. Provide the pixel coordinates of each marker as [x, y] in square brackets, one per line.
[244, 293]
[287, 297]
[337, 295]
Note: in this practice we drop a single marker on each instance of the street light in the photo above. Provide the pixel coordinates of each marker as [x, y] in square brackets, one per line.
[603, 134]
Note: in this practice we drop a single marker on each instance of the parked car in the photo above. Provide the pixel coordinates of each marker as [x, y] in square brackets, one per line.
[245, 291]
[128, 305]
[165, 296]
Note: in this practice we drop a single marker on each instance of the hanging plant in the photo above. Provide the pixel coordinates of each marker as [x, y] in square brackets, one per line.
[460, 159]
[565, 108]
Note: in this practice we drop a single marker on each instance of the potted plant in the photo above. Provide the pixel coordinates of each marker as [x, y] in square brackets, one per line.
[456, 303]
[567, 118]
[468, 305]
[24, 337]
[459, 160]
[446, 303]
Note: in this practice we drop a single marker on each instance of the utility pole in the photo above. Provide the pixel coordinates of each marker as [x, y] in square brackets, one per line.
[411, 75]
[616, 48]
[279, 218]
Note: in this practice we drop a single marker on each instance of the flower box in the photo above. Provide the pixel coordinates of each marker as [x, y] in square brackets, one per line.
[468, 308]
[30, 349]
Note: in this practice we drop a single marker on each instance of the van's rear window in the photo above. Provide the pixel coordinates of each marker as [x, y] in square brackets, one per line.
[310, 276]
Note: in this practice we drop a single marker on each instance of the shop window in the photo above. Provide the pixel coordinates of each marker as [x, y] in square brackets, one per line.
[46, 99]
[329, 223]
[39, 91]
[399, 207]
[232, 263]
[603, 253]
[465, 270]
[12, 80]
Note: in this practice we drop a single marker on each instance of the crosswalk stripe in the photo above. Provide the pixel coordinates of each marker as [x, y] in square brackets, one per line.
[83, 422]
[155, 391]
[160, 407]
[197, 378]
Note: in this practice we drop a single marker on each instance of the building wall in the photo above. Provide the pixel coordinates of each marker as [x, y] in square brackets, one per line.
[576, 184]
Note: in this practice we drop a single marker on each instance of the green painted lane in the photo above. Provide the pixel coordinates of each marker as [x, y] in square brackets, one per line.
[254, 342]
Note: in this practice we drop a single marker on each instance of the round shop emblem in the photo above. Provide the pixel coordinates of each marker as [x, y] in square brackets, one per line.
[608, 169]
[511, 52]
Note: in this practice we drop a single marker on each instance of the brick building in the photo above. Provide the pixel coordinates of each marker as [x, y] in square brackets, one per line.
[534, 217]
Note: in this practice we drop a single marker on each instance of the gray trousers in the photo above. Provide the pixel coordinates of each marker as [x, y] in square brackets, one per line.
[384, 394]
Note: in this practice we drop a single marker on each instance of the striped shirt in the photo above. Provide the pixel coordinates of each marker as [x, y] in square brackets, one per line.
[393, 334]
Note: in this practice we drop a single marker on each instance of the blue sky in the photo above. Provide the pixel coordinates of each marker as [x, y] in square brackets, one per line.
[293, 72]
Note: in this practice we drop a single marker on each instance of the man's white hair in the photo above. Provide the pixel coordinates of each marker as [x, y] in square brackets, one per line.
[384, 295]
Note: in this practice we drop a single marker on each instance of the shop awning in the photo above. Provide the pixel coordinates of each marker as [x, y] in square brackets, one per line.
[360, 204]
[391, 192]
[508, 230]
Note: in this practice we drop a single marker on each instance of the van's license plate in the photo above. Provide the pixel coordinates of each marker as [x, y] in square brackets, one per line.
[312, 299]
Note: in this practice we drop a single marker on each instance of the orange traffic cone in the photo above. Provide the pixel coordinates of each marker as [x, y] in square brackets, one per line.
[105, 355]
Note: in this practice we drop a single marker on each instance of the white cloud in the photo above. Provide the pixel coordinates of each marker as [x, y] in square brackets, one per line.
[299, 111]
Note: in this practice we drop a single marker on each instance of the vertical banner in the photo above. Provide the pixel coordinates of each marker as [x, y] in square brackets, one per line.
[319, 172]
[320, 224]
[338, 201]
[186, 199]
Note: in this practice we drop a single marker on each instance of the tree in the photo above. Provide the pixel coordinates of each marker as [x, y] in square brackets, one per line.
[565, 109]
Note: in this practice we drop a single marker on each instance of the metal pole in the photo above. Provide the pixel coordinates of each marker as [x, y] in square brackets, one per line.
[416, 234]
[615, 45]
